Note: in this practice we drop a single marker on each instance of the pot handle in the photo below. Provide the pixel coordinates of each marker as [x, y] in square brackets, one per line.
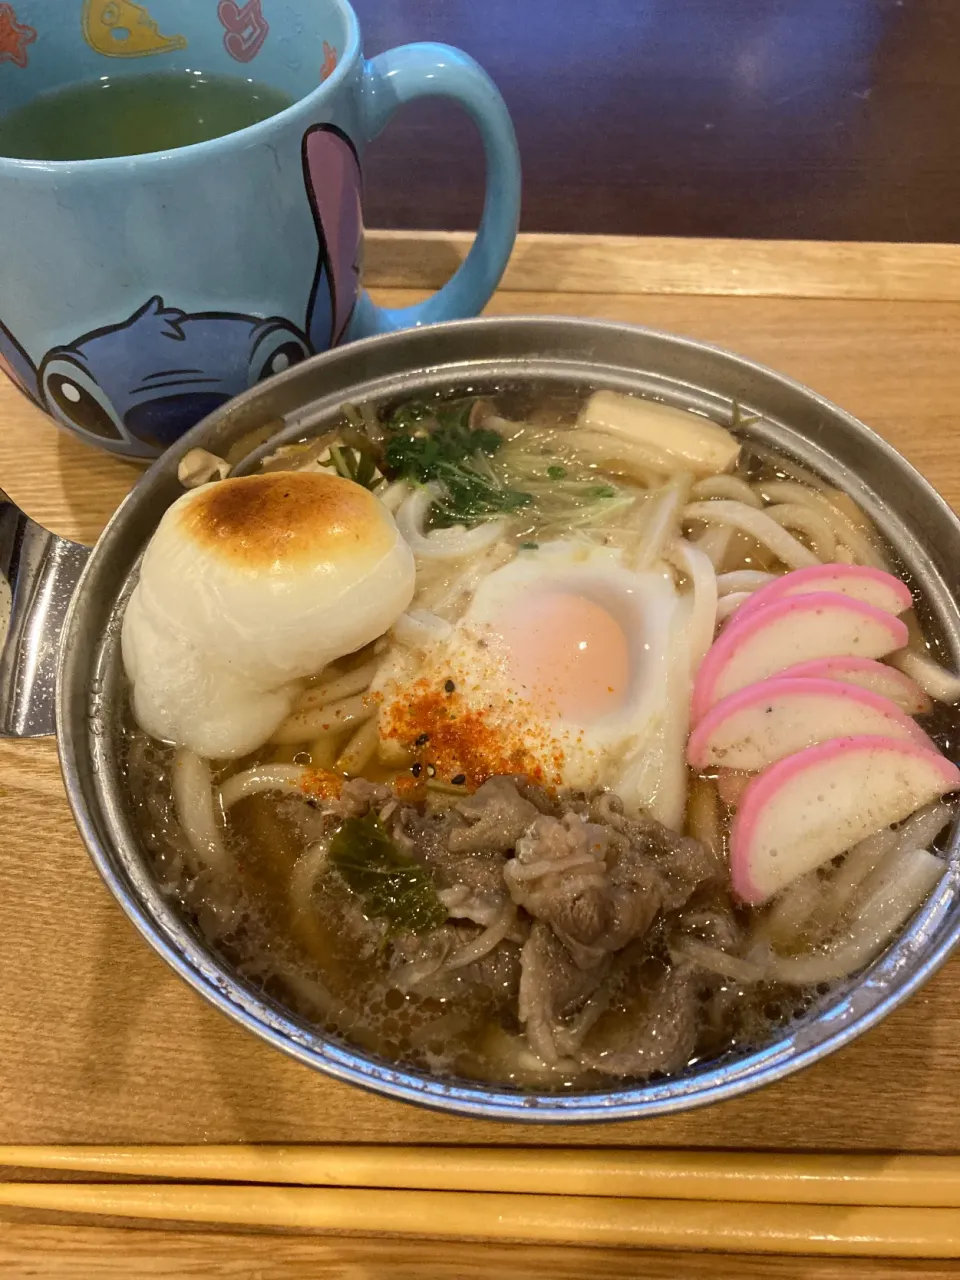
[38, 574]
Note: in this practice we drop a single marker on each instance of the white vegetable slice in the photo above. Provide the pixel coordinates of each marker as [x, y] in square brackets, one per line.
[454, 543]
[693, 442]
[757, 524]
[270, 777]
[934, 680]
[879, 916]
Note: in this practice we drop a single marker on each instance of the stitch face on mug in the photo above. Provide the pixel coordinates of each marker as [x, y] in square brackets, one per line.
[160, 371]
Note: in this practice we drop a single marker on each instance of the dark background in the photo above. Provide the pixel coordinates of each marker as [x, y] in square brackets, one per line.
[833, 119]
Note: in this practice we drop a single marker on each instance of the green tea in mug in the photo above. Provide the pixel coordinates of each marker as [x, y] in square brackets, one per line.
[130, 115]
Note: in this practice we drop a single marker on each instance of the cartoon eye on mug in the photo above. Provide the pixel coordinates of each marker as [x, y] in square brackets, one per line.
[276, 347]
[74, 398]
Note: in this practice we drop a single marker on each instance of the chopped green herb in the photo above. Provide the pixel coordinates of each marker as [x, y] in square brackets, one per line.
[556, 473]
[528, 546]
[392, 885]
[438, 444]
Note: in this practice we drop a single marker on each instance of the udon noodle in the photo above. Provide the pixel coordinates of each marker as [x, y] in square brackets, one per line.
[424, 861]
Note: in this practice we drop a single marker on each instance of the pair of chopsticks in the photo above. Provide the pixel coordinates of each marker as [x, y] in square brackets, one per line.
[750, 1202]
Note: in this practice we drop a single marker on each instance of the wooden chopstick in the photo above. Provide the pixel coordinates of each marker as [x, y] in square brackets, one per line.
[595, 1220]
[895, 1180]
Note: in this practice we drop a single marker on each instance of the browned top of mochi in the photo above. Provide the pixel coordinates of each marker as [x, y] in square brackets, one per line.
[290, 517]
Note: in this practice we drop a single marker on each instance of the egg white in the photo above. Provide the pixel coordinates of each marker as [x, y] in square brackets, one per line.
[624, 749]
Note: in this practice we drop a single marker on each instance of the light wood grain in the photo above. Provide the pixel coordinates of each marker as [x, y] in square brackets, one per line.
[31, 1249]
[658, 264]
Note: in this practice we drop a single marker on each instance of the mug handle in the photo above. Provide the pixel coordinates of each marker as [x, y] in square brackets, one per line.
[438, 70]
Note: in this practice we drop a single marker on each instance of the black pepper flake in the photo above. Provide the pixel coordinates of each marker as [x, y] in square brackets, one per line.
[422, 741]
[449, 686]
[431, 770]
[459, 780]
[416, 769]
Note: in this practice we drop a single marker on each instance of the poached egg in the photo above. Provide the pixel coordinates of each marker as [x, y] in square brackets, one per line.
[566, 654]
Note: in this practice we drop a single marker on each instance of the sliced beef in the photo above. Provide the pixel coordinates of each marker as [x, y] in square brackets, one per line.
[552, 987]
[499, 973]
[471, 885]
[416, 960]
[685, 864]
[419, 964]
[497, 815]
[596, 894]
[709, 915]
[655, 1031]
[567, 901]
[538, 796]
[358, 797]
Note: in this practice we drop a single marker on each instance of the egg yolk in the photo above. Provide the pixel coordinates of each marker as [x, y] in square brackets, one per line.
[567, 656]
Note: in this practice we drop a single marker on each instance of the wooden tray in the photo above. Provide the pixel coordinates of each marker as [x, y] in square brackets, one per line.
[102, 1043]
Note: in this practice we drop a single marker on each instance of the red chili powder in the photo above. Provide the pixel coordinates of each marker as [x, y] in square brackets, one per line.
[322, 784]
[410, 789]
[464, 740]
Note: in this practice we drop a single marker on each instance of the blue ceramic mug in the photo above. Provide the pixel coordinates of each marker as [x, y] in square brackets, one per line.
[138, 294]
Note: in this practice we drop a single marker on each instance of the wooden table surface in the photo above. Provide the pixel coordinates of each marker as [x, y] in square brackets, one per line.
[100, 1042]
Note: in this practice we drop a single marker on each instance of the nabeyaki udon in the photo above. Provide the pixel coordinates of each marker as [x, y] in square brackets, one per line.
[531, 753]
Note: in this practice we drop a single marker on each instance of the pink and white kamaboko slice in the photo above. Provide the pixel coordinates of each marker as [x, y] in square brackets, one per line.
[801, 628]
[878, 677]
[808, 808]
[763, 722]
[859, 582]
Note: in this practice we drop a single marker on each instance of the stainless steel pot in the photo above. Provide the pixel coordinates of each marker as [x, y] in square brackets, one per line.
[43, 572]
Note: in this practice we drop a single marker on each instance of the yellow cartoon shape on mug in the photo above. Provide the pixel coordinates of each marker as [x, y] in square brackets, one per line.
[122, 29]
